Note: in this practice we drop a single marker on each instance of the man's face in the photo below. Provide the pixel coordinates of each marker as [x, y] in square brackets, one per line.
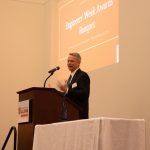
[73, 63]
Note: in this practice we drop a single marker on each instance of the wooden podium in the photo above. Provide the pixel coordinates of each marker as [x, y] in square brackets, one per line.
[46, 105]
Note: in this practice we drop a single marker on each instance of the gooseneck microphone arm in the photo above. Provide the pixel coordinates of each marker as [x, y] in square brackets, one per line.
[51, 73]
[48, 78]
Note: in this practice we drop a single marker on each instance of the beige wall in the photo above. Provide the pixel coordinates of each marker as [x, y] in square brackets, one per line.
[23, 55]
[123, 90]
[28, 48]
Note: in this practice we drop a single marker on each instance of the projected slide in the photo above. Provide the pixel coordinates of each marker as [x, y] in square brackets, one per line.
[89, 27]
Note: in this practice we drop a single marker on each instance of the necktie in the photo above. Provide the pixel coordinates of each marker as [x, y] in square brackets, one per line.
[69, 80]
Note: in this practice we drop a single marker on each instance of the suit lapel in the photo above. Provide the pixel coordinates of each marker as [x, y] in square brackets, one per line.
[76, 76]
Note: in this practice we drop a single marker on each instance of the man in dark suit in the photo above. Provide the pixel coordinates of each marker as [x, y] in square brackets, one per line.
[78, 85]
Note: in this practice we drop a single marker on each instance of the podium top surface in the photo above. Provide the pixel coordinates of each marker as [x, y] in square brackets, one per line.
[42, 89]
[37, 89]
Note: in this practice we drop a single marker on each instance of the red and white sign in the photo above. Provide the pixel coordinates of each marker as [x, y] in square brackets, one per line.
[23, 111]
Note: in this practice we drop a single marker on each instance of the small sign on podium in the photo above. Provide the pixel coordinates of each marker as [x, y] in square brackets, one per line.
[24, 111]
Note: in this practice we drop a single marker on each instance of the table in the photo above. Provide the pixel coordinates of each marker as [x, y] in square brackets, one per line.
[91, 134]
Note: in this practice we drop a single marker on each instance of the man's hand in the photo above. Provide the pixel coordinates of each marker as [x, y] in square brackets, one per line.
[62, 87]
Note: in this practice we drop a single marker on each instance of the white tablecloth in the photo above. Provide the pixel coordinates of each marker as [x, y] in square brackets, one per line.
[91, 134]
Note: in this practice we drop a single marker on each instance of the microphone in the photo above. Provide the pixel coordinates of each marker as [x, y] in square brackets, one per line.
[54, 69]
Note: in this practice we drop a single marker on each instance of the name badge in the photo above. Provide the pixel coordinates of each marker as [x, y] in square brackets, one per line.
[74, 85]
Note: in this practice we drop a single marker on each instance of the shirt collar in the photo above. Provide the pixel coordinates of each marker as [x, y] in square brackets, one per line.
[73, 73]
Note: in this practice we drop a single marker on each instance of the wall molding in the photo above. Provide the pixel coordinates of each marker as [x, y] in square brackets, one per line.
[32, 1]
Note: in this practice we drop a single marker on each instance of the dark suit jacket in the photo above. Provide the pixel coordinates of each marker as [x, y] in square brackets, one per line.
[79, 90]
